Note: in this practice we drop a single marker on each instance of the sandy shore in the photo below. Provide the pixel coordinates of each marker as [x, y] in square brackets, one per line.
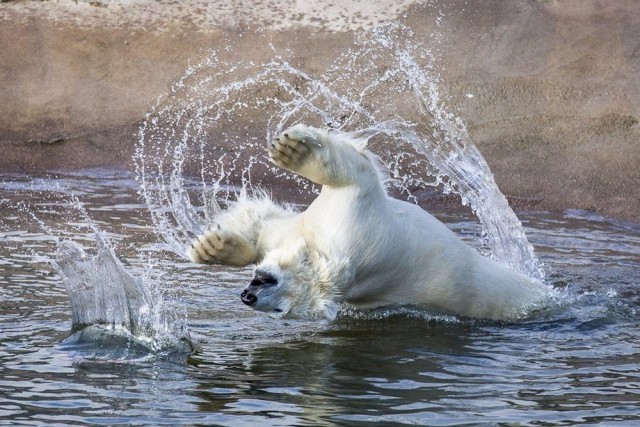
[550, 90]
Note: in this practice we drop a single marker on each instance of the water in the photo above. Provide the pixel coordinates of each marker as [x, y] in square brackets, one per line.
[576, 362]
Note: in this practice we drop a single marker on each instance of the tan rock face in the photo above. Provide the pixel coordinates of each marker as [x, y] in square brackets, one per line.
[550, 90]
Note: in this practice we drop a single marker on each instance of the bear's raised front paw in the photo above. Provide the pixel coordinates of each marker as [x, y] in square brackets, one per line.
[218, 247]
[294, 147]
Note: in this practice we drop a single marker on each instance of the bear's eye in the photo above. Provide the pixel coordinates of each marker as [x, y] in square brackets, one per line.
[262, 278]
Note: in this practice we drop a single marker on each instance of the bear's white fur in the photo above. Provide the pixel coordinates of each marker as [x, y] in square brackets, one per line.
[355, 244]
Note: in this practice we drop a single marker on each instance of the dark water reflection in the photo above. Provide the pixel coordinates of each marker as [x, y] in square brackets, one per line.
[575, 363]
[410, 371]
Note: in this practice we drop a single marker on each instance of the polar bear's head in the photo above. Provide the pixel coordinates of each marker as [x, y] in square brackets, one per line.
[288, 284]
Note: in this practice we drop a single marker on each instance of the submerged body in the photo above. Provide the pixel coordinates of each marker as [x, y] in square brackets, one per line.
[355, 244]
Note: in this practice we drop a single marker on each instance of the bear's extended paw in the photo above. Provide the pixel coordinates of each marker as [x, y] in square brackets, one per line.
[295, 147]
[219, 247]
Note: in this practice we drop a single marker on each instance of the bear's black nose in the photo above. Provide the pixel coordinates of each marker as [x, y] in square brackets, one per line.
[248, 298]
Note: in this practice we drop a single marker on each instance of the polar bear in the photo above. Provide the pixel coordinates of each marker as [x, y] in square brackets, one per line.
[354, 244]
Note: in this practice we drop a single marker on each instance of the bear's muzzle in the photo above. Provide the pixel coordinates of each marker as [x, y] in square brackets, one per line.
[261, 280]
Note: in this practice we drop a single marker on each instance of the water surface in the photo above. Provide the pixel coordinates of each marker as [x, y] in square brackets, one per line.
[574, 363]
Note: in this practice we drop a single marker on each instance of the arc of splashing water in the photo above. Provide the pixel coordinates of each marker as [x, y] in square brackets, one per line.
[440, 137]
